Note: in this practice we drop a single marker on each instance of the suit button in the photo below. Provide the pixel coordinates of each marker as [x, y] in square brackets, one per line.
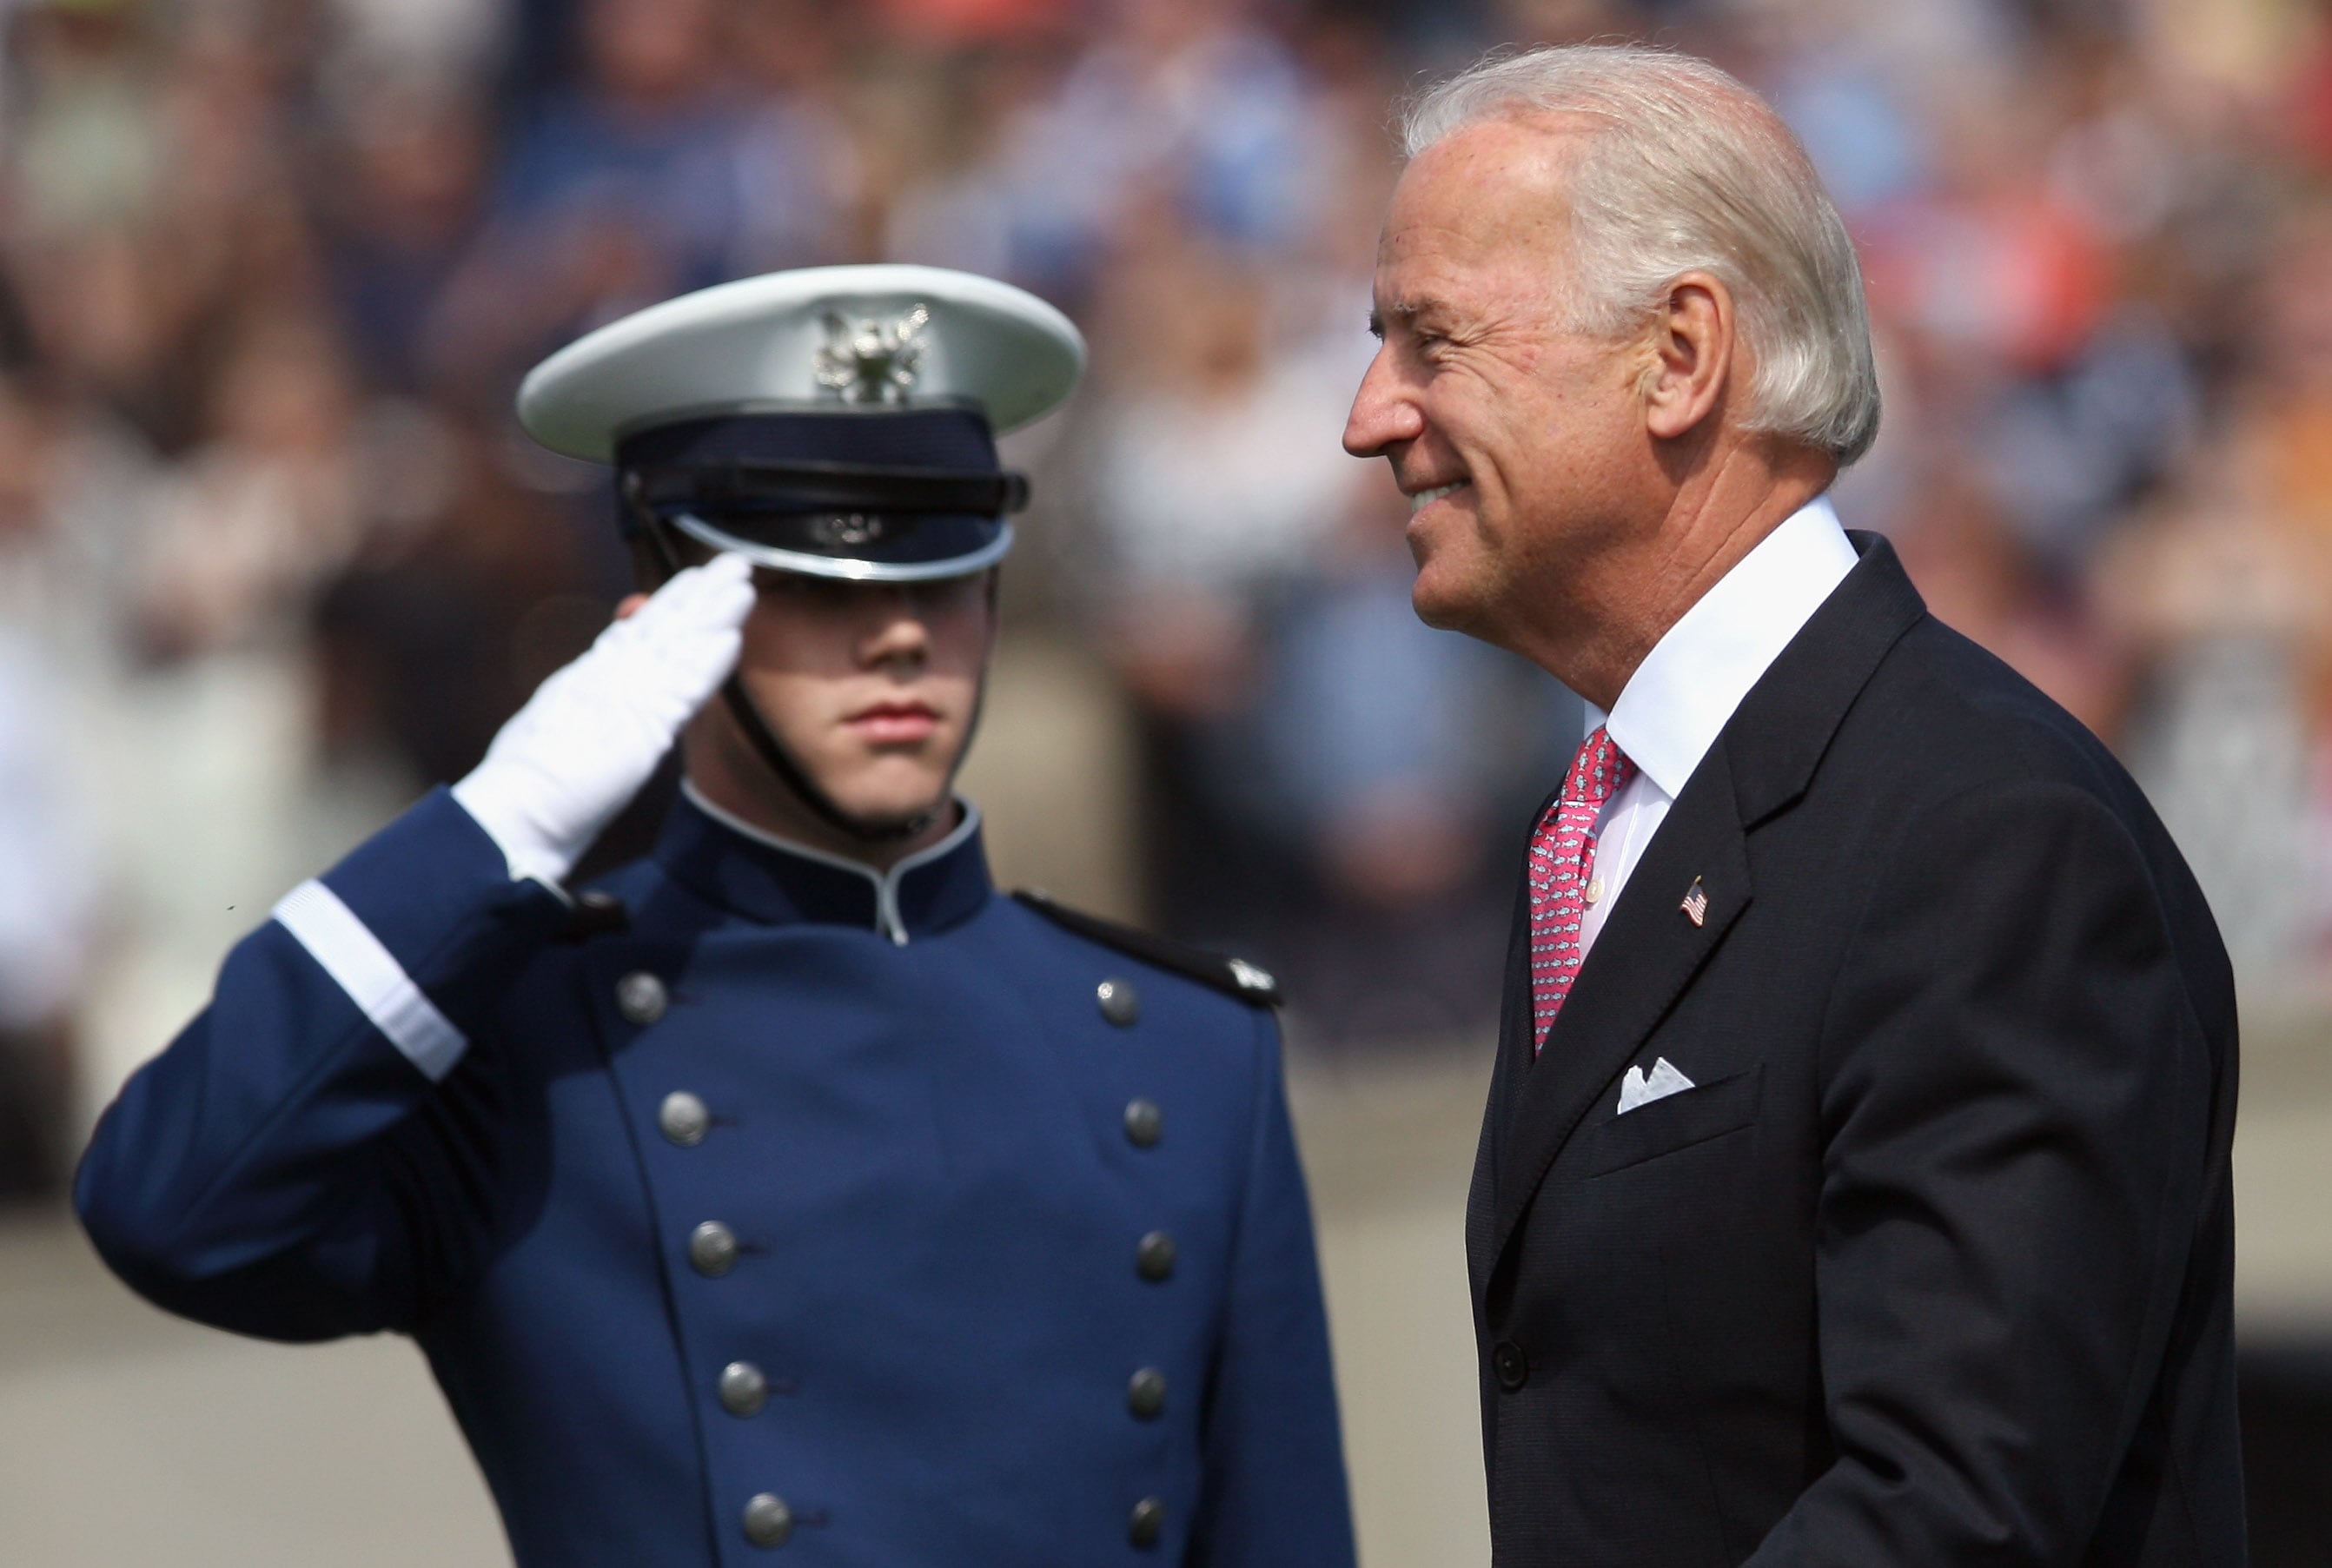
[1153, 1260]
[683, 1118]
[1144, 1123]
[1145, 1394]
[1121, 1004]
[713, 1249]
[1513, 1367]
[767, 1520]
[1147, 1523]
[743, 1388]
[640, 996]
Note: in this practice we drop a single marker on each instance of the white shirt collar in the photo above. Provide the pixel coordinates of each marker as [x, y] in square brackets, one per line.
[1682, 695]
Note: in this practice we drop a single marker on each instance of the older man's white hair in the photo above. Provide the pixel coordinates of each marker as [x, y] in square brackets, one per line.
[1681, 169]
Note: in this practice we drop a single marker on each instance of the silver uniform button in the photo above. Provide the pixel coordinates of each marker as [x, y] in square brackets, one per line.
[1153, 1258]
[767, 1520]
[743, 1388]
[1145, 1394]
[1144, 1123]
[713, 1249]
[640, 996]
[1147, 1523]
[683, 1118]
[1121, 1004]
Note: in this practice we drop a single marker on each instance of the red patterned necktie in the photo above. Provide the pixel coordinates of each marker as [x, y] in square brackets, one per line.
[1562, 865]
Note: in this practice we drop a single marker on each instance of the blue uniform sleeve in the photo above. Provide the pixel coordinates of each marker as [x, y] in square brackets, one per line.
[309, 1158]
[1273, 1494]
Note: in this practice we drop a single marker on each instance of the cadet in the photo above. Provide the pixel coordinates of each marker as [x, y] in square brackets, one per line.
[792, 1191]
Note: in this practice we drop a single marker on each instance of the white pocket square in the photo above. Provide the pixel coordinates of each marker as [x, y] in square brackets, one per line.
[1636, 1089]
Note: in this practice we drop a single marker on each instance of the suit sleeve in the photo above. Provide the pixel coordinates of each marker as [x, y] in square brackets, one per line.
[1274, 1493]
[2016, 1106]
[310, 1156]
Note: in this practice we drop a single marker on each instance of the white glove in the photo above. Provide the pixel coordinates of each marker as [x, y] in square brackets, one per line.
[590, 736]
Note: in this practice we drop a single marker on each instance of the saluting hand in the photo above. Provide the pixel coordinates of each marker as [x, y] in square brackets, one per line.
[592, 734]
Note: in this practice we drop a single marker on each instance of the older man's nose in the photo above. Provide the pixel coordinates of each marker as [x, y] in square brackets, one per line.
[1381, 413]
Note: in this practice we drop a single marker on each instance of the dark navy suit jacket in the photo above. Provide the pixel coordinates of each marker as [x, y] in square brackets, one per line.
[1934, 1264]
[921, 1147]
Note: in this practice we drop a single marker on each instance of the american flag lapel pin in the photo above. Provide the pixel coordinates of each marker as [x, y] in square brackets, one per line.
[1696, 904]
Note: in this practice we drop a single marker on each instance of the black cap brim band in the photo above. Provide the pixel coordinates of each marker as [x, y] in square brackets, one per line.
[854, 547]
[814, 487]
[898, 495]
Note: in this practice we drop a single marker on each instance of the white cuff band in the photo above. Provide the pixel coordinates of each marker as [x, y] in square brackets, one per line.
[342, 946]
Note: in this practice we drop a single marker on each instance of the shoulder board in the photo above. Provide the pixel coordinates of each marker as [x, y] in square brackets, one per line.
[594, 912]
[1232, 976]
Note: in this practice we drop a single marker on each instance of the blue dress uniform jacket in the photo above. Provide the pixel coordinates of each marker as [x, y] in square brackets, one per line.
[855, 1219]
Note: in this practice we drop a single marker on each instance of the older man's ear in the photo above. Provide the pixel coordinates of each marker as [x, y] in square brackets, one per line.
[1690, 356]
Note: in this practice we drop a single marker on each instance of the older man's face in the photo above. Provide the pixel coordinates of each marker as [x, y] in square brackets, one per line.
[1519, 443]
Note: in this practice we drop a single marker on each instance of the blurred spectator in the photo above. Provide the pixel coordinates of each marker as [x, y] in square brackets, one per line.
[616, 192]
[1185, 107]
[1208, 493]
[47, 906]
[1984, 576]
[74, 493]
[964, 24]
[86, 155]
[399, 213]
[802, 176]
[1395, 759]
[963, 197]
[1324, 773]
[418, 38]
[435, 633]
[2228, 593]
[1209, 478]
[266, 507]
[2229, 586]
[48, 899]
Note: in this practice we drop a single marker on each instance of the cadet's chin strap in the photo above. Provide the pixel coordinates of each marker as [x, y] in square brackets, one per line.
[764, 739]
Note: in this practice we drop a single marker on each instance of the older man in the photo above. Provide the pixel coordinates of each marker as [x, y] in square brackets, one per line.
[1854, 1184]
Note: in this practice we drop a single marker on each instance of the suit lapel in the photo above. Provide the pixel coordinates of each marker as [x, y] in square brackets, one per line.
[1514, 1021]
[1646, 951]
[1650, 948]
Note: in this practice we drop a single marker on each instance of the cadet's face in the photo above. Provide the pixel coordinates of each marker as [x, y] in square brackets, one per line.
[872, 688]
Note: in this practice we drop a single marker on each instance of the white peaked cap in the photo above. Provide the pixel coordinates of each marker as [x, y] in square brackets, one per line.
[784, 341]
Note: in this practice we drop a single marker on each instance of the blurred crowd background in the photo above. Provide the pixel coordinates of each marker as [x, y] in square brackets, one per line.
[274, 557]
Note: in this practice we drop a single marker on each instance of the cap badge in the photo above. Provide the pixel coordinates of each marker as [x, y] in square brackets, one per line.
[846, 530]
[867, 360]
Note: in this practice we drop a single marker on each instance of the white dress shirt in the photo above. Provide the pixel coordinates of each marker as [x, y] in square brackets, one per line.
[1672, 708]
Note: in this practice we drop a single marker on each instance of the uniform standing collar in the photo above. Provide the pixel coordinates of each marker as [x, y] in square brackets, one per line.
[724, 858]
[1681, 696]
